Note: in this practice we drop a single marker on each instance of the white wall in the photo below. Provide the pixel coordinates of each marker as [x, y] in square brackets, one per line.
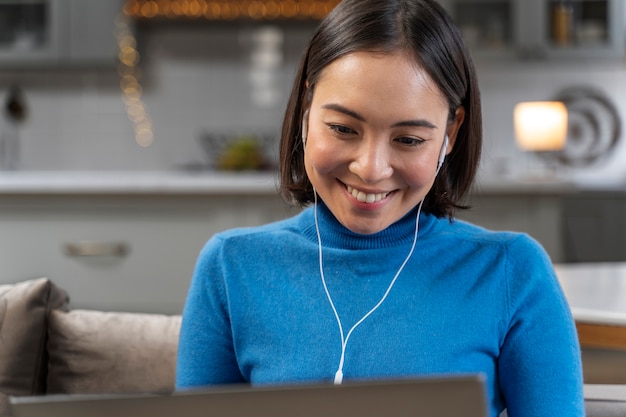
[504, 86]
[197, 79]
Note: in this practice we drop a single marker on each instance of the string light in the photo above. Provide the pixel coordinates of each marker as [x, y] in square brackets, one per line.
[229, 9]
[129, 76]
[192, 9]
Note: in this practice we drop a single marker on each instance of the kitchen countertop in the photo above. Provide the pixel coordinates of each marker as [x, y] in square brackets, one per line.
[139, 182]
[596, 292]
[546, 186]
[237, 183]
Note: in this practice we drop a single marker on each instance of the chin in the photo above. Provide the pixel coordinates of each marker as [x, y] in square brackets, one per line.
[365, 229]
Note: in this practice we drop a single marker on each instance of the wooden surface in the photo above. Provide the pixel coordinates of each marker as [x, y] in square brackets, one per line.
[601, 336]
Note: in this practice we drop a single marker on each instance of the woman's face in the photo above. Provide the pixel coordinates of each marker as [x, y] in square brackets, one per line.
[376, 127]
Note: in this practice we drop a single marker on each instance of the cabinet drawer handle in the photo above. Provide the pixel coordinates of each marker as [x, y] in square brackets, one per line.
[89, 248]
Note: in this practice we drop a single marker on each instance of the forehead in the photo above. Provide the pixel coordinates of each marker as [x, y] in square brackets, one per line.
[388, 77]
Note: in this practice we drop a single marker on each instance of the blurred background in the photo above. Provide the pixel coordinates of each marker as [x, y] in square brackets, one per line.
[132, 131]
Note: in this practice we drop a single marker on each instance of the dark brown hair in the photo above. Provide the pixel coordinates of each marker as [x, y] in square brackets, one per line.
[421, 28]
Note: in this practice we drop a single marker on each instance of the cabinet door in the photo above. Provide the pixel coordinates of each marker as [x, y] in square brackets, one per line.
[490, 28]
[31, 32]
[582, 29]
[41, 33]
[594, 228]
[120, 253]
[91, 31]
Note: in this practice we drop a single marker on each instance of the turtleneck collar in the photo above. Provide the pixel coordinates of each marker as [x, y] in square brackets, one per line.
[335, 235]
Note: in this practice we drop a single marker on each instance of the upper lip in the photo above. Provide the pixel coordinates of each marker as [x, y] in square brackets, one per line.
[365, 190]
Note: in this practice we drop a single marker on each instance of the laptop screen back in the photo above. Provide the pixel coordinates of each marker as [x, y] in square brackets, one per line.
[432, 397]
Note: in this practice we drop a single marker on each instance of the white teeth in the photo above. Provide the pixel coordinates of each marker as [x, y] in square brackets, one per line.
[365, 198]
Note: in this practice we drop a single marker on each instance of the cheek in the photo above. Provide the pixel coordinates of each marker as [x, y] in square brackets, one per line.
[419, 172]
[321, 155]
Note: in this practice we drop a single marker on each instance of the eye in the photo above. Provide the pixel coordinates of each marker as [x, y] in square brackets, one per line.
[340, 129]
[409, 141]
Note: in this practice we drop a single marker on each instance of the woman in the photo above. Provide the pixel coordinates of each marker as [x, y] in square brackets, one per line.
[376, 279]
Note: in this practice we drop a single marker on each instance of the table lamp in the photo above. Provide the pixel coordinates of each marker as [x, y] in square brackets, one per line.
[541, 126]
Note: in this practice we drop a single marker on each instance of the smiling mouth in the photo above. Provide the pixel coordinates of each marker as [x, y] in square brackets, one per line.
[363, 197]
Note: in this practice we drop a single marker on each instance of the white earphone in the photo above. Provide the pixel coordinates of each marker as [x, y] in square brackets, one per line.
[442, 155]
[305, 128]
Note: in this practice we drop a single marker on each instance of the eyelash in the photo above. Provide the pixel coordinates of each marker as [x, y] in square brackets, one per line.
[409, 141]
[340, 129]
[403, 140]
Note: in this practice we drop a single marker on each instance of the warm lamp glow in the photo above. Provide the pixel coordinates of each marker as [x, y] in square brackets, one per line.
[541, 125]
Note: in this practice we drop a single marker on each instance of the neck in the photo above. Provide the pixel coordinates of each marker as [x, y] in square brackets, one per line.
[335, 235]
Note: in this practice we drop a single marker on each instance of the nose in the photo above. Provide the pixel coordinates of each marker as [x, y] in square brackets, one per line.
[371, 162]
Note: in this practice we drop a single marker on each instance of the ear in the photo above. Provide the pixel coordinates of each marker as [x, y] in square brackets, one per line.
[453, 128]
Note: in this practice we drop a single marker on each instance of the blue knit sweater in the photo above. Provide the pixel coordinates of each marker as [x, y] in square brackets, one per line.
[469, 300]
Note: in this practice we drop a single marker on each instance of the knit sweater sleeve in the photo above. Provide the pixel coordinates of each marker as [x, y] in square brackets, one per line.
[540, 365]
[205, 351]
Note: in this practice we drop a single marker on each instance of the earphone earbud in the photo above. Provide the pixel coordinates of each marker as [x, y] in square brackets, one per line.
[442, 155]
[305, 127]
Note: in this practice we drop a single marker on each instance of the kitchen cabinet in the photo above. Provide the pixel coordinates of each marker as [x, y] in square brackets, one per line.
[594, 227]
[541, 29]
[130, 252]
[58, 32]
[31, 31]
[91, 31]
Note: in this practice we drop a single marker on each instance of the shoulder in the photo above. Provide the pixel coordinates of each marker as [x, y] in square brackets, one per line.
[471, 233]
[243, 247]
[521, 259]
[525, 267]
[254, 237]
[257, 231]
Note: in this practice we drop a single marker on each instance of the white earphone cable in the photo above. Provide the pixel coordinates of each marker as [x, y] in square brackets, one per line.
[344, 340]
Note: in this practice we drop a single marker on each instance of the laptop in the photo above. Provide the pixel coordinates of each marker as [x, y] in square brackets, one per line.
[448, 396]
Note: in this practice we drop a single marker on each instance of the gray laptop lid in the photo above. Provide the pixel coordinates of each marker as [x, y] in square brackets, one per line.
[452, 396]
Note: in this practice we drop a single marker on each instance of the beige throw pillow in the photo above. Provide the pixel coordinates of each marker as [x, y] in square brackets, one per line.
[23, 318]
[112, 352]
[24, 308]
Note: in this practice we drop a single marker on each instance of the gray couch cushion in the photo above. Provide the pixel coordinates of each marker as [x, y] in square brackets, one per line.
[23, 320]
[112, 352]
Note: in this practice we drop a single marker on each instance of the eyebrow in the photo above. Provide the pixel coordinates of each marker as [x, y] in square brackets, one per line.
[411, 123]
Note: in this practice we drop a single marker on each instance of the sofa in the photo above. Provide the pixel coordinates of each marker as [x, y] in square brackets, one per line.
[48, 348]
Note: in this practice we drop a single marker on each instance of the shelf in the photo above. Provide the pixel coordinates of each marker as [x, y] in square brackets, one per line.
[579, 23]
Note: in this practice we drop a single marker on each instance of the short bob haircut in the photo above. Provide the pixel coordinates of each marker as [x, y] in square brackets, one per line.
[421, 28]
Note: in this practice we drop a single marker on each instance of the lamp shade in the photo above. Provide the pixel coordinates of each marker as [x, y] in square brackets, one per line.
[540, 125]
